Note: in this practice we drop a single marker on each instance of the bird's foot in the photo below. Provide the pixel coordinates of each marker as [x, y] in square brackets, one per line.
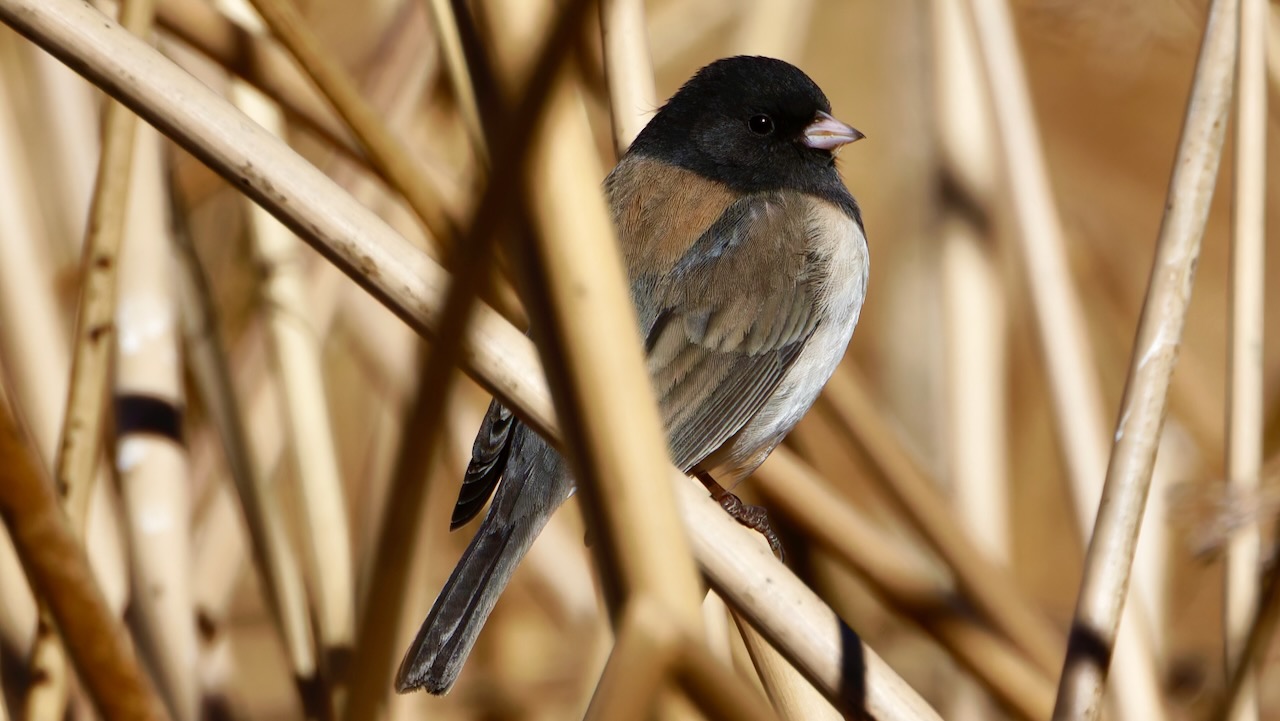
[754, 517]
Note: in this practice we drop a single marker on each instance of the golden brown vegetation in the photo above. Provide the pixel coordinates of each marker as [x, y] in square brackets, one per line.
[1059, 290]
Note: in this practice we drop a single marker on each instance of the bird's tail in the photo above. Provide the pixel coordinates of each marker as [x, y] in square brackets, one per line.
[447, 636]
[525, 500]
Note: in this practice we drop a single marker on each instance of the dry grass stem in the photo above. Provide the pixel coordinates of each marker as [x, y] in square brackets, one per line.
[56, 564]
[445, 24]
[644, 651]
[278, 568]
[295, 347]
[95, 334]
[1107, 564]
[497, 354]
[1248, 298]
[903, 582]
[790, 693]
[628, 69]
[792, 617]
[384, 149]
[718, 694]
[23, 307]
[151, 459]
[1252, 651]
[401, 515]
[643, 543]
[987, 586]
[973, 304]
[934, 498]
[1064, 345]
[261, 62]
[70, 113]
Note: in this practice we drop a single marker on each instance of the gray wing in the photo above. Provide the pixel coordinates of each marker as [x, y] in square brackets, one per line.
[724, 327]
[489, 456]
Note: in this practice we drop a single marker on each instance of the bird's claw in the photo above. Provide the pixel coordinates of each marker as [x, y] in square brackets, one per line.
[754, 517]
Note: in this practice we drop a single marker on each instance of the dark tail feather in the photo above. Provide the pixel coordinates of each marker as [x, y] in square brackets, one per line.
[447, 636]
[489, 456]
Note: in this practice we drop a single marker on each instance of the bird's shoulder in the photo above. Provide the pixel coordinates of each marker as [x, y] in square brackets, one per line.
[671, 220]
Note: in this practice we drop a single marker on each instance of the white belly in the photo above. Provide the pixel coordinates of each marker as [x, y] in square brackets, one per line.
[846, 261]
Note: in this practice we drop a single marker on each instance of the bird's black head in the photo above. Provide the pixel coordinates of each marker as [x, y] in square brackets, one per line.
[753, 123]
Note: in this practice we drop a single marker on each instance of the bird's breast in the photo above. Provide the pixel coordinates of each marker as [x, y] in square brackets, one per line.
[837, 248]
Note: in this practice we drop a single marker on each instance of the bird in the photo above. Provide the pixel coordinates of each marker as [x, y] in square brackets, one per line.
[748, 266]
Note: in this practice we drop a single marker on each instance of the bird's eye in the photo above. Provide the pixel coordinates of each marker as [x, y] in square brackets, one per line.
[760, 124]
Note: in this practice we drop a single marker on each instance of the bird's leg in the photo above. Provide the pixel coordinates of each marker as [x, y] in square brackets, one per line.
[754, 517]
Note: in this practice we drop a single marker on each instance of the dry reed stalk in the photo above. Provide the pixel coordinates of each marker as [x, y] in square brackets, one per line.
[1107, 564]
[48, 694]
[150, 457]
[976, 428]
[1245, 377]
[498, 355]
[603, 389]
[251, 366]
[650, 652]
[790, 693]
[1252, 651]
[632, 97]
[511, 146]
[1273, 57]
[792, 617]
[796, 491]
[455, 62]
[401, 78]
[644, 650]
[294, 342]
[277, 567]
[95, 333]
[384, 149]
[720, 694]
[22, 309]
[974, 345]
[902, 581]
[402, 511]
[218, 554]
[628, 69]
[987, 586]
[18, 613]
[58, 568]
[69, 115]
[715, 619]
[1064, 345]
[261, 62]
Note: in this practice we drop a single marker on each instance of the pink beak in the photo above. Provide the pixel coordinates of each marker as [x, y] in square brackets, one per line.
[827, 133]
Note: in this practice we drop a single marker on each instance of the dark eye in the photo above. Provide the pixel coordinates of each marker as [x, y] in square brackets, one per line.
[760, 124]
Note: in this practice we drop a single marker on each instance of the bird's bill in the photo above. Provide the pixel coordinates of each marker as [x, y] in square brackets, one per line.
[827, 133]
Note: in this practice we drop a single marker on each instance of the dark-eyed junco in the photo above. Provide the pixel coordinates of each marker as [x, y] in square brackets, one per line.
[748, 266]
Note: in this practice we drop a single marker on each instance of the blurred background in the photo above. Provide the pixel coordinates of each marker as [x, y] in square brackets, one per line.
[1109, 82]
